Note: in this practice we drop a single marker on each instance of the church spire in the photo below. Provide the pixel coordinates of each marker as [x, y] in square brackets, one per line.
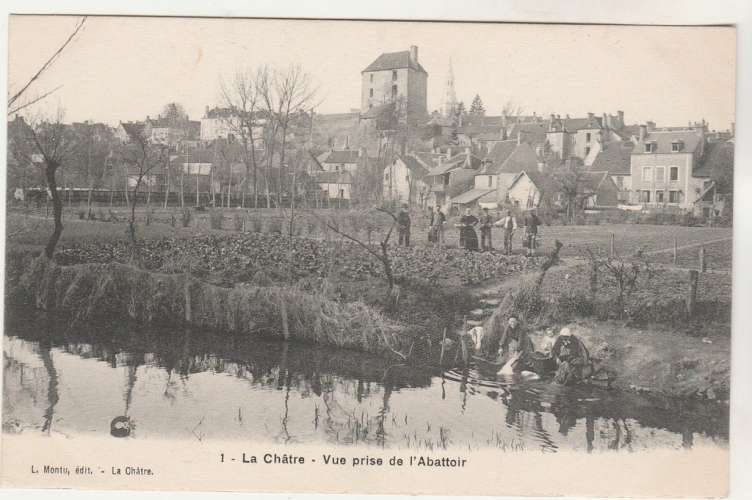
[450, 98]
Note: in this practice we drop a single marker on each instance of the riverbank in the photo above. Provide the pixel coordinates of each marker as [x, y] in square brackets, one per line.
[333, 292]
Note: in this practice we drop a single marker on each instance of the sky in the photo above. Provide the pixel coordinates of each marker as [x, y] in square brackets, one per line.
[125, 68]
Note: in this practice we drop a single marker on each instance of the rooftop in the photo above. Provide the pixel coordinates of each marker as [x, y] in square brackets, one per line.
[394, 60]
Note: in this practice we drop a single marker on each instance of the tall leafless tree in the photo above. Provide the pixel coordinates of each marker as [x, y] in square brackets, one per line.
[142, 158]
[15, 101]
[242, 99]
[50, 143]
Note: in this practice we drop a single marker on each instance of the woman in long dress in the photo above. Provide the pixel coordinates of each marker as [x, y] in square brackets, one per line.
[468, 236]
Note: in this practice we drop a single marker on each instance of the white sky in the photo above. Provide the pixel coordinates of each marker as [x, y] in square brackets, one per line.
[124, 68]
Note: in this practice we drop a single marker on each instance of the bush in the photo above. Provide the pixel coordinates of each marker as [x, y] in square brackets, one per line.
[149, 216]
[215, 219]
[274, 226]
[186, 217]
[238, 222]
[256, 224]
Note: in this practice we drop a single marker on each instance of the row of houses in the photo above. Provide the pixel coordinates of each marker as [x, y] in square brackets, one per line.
[631, 167]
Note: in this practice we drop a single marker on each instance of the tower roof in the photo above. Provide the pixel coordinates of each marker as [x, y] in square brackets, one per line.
[394, 60]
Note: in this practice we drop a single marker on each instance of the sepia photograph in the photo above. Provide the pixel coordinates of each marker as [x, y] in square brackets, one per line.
[301, 248]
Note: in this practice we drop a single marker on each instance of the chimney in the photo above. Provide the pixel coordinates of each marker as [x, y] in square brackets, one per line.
[620, 114]
[643, 132]
[206, 112]
[733, 129]
[590, 116]
[651, 125]
[606, 122]
[519, 138]
[414, 53]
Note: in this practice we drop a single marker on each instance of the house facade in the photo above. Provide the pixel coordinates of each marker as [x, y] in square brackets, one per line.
[335, 185]
[394, 76]
[404, 181]
[665, 167]
[342, 160]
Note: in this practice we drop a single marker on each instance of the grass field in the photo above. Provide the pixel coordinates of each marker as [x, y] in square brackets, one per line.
[656, 240]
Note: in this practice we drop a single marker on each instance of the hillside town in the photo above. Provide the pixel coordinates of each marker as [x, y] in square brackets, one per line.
[392, 150]
[411, 260]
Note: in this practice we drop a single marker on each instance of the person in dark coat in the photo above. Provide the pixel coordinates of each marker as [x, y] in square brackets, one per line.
[440, 221]
[468, 236]
[572, 358]
[531, 232]
[486, 223]
[513, 340]
[403, 223]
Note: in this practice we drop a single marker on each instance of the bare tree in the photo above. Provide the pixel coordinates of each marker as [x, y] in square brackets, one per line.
[295, 93]
[14, 102]
[382, 254]
[50, 143]
[242, 99]
[142, 158]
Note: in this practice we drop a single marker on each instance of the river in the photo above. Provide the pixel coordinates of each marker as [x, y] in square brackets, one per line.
[194, 385]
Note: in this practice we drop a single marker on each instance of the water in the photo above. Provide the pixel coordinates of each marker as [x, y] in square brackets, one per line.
[201, 386]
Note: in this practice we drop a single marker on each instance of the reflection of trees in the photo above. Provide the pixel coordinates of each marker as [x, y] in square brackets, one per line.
[52, 385]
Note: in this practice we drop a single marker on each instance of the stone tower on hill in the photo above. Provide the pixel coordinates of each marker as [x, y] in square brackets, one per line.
[393, 77]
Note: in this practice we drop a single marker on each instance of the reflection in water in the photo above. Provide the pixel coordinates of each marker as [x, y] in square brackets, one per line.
[199, 385]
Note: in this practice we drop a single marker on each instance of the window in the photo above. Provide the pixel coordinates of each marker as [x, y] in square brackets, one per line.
[407, 178]
[650, 147]
[659, 196]
[620, 182]
[587, 137]
[673, 173]
[394, 91]
[341, 193]
[370, 93]
[676, 146]
[394, 75]
[673, 196]
[490, 181]
[647, 174]
[645, 196]
[371, 77]
[660, 174]
[587, 150]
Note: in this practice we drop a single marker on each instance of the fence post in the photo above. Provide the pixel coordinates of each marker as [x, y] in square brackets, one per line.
[702, 259]
[692, 292]
[612, 245]
[676, 257]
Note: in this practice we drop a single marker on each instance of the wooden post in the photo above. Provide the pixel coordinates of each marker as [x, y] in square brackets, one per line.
[702, 259]
[612, 245]
[443, 339]
[692, 292]
[676, 257]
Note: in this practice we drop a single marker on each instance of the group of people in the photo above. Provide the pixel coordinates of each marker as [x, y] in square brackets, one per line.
[468, 223]
[508, 224]
[565, 353]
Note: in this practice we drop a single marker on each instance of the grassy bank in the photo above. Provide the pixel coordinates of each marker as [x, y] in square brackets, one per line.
[652, 344]
[101, 291]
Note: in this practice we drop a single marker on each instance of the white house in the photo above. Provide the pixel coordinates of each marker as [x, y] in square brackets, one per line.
[404, 181]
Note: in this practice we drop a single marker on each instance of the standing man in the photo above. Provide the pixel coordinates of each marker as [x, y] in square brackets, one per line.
[531, 233]
[486, 222]
[440, 220]
[403, 221]
[431, 225]
[509, 225]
